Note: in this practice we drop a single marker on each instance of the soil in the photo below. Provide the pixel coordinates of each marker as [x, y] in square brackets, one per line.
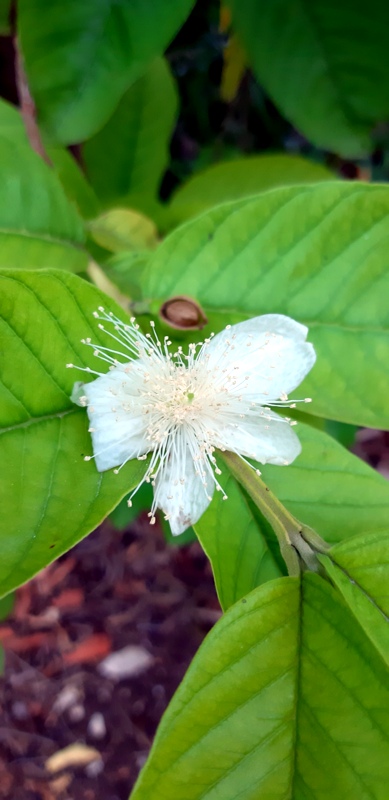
[128, 594]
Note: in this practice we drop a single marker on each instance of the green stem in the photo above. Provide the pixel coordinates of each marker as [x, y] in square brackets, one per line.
[298, 543]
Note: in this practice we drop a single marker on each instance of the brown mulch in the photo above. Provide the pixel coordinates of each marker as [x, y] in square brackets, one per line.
[127, 594]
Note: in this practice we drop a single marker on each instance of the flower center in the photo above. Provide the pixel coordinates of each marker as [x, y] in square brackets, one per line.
[174, 399]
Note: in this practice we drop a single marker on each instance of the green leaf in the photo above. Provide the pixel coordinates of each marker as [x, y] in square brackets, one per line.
[125, 161]
[6, 605]
[39, 228]
[360, 570]
[231, 180]
[125, 270]
[235, 543]
[315, 253]
[285, 685]
[123, 515]
[81, 57]
[11, 124]
[343, 433]
[330, 489]
[5, 12]
[327, 488]
[74, 182]
[324, 64]
[65, 166]
[50, 497]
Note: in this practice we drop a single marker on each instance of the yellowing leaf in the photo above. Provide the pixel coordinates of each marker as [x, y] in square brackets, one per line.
[124, 229]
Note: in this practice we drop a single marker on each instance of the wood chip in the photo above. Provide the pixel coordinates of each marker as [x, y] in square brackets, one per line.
[125, 663]
[75, 755]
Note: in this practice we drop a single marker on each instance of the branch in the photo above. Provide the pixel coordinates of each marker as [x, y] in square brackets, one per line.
[27, 107]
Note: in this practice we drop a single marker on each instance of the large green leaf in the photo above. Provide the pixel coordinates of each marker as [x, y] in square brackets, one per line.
[231, 180]
[125, 161]
[326, 487]
[360, 570]
[284, 700]
[38, 226]
[81, 57]
[50, 497]
[324, 63]
[316, 253]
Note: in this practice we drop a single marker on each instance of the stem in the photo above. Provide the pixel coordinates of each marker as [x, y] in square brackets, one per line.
[298, 543]
[27, 107]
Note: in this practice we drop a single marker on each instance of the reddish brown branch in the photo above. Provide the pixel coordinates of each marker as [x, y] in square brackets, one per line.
[27, 107]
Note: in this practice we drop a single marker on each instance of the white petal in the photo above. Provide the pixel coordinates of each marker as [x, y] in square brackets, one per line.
[78, 393]
[261, 358]
[118, 434]
[268, 439]
[179, 490]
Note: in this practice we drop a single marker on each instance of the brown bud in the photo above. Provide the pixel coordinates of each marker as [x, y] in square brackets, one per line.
[183, 313]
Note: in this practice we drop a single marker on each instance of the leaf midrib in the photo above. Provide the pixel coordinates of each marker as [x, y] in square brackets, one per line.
[36, 420]
[43, 237]
[354, 582]
[308, 322]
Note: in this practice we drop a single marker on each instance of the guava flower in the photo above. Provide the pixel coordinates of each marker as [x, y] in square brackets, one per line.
[180, 408]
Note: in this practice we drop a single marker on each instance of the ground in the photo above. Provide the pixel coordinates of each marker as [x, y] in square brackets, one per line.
[112, 591]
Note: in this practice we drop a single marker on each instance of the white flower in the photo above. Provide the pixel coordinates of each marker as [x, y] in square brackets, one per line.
[180, 408]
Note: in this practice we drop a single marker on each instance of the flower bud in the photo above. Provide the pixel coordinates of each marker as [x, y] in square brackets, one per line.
[183, 313]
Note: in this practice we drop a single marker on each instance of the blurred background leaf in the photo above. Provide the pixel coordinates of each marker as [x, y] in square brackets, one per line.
[241, 177]
[81, 58]
[126, 160]
[39, 227]
[324, 64]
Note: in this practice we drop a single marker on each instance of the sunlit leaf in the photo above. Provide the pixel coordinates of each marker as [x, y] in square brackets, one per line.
[315, 253]
[50, 497]
[360, 570]
[284, 699]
